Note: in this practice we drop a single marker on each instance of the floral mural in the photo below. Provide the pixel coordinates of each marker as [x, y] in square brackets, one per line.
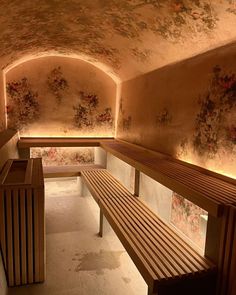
[23, 106]
[59, 156]
[125, 121]
[60, 97]
[215, 123]
[129, 37]
[186, 16]
[190, 219]
[163, 118]
[87, 114]
[57, 84]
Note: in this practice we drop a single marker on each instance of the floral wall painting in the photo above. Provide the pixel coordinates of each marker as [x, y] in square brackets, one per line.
[60, 156]
[23, 107]
[163, 118]
[215, 123]
[60, 97]
[57, 84]
[190, 219]
[87, 114]
[118, 34]
[190, 110]
[186, 16]
[125, 121]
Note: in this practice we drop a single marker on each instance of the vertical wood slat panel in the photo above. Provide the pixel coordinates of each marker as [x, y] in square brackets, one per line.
[30, 237]
[36, 234]
[23, 240]
[42, 262]
[228, 285]
[9, 266]
[22, 225]
[2, 226]
[16, 237]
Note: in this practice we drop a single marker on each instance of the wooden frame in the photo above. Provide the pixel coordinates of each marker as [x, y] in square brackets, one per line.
[22, 222]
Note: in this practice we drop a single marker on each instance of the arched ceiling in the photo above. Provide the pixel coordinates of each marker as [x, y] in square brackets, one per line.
[129, 37]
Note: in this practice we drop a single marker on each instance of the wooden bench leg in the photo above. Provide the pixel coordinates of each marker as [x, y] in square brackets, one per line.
[101, 224]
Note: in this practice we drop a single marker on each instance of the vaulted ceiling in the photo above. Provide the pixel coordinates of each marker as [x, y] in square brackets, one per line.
[127, 37]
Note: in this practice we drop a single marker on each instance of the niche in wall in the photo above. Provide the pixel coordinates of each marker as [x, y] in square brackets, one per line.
[60, 96]
[60, 156]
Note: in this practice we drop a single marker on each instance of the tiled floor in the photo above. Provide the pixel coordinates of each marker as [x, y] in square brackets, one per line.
[78, 261]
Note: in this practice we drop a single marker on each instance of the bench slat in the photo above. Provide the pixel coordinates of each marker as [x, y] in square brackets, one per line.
[154, 235]
[152, 218]
[159, 253]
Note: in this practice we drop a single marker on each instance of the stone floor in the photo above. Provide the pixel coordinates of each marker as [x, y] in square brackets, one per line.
[78, 261]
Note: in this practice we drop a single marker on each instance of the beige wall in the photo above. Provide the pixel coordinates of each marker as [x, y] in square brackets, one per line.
[59, 96]
[121, 171]
[187, 110]
[9, 151]
[2, 105]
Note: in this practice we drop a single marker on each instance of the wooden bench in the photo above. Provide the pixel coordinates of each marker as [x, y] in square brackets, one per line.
[167, 263]
[67, 170]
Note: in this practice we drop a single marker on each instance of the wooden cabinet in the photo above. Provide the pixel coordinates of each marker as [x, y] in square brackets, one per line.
[22, 221]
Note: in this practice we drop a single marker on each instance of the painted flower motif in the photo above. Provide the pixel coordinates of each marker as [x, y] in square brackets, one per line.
[218, 101]
[57, 84]
[87, 113]
[178, 6]
[186, 216]
[90, 99]
[23, 107]
[164, 117]
[105, 117]
[63, 156]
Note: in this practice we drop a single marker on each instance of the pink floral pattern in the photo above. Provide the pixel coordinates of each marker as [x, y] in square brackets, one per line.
[212, 129]
[23, 105]
[59, 156]
[87, 114]
[188, 218]
[57, 84]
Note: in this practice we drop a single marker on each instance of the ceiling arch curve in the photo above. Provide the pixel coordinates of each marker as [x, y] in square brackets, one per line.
[33, 56]
[129, 37]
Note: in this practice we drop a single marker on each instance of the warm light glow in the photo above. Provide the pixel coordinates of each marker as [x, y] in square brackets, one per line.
[67, 137]
[209, 164]
[108, 70]
[118, 97]
[5, 97]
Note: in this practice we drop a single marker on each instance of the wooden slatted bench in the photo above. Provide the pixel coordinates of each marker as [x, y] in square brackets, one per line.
[67, 170]
[167, 263]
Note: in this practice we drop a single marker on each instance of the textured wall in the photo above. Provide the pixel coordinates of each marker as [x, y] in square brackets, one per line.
[2, 106]
[122, 171]
[60, 156]
[9, 151]
[56, 96]
[128, 37]
[187, 110]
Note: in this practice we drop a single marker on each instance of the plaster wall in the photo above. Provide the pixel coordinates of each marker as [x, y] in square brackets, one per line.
[156, 196]
[9, 151]
[2, 105]
[60, 96]
[186, 110]
[121, 171]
